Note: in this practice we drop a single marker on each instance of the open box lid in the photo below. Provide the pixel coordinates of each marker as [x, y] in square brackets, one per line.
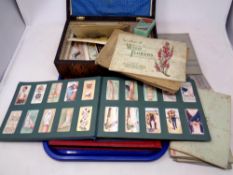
[110, 8]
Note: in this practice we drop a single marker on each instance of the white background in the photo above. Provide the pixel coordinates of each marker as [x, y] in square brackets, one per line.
[204, 20]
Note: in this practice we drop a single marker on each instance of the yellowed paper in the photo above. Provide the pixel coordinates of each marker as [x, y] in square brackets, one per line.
[101, 40]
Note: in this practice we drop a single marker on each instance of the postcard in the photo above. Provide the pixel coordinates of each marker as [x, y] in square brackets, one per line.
[29, 122]
[23, 94]
[112, 90]
[84, 118]
[47, 120]
[39, 93]
[77, 51]
[54, 93]
[92, 51]
[12, 122]
[155, 58]
[131, 90]
[173, 121]
[65, 120]
[111, 119]
[71, 91]
[88, 90]
[187, 92]
[132, 119]
[169, 97]
[82, 51]
[150, 93]
[194, 121]
[152, 118]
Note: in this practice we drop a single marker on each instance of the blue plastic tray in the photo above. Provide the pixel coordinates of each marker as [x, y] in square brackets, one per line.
[104, 155]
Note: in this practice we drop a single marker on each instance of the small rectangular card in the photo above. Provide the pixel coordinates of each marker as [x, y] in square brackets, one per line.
[47, 120]
[39, 93]
[132, 123]
[111, 119]
[65, 120]
[12, 122]
[29, 122]
[152, 119]
[84, 118]
[23, 95]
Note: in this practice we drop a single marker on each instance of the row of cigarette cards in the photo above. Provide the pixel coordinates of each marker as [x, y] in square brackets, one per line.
[103, 107]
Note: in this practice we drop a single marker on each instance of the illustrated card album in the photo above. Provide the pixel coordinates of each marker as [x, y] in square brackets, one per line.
[103, 107]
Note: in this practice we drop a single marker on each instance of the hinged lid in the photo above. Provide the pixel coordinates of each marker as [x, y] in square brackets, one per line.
[95, 9]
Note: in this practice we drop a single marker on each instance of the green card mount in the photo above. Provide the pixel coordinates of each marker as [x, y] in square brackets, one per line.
[103, 107]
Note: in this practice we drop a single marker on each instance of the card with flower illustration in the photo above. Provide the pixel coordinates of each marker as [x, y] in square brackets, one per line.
[84, 118]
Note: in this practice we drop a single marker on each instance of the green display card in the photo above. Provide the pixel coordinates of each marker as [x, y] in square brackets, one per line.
[140, 111]
[103, 107]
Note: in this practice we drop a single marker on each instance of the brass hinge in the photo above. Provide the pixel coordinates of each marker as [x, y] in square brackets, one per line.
[138, 18]
[80, 18]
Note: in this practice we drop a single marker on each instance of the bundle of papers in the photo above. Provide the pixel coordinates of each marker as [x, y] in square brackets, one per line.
[217, 109]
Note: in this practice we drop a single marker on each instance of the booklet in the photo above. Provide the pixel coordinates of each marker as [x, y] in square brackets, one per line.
[103, 107]
[160, 63]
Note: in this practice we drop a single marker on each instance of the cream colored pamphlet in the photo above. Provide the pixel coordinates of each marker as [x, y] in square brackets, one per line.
[104, 59]
[154, 58]
[217, 109]
[186, 158]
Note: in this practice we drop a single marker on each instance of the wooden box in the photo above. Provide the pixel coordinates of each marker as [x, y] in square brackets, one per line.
[94, 21]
